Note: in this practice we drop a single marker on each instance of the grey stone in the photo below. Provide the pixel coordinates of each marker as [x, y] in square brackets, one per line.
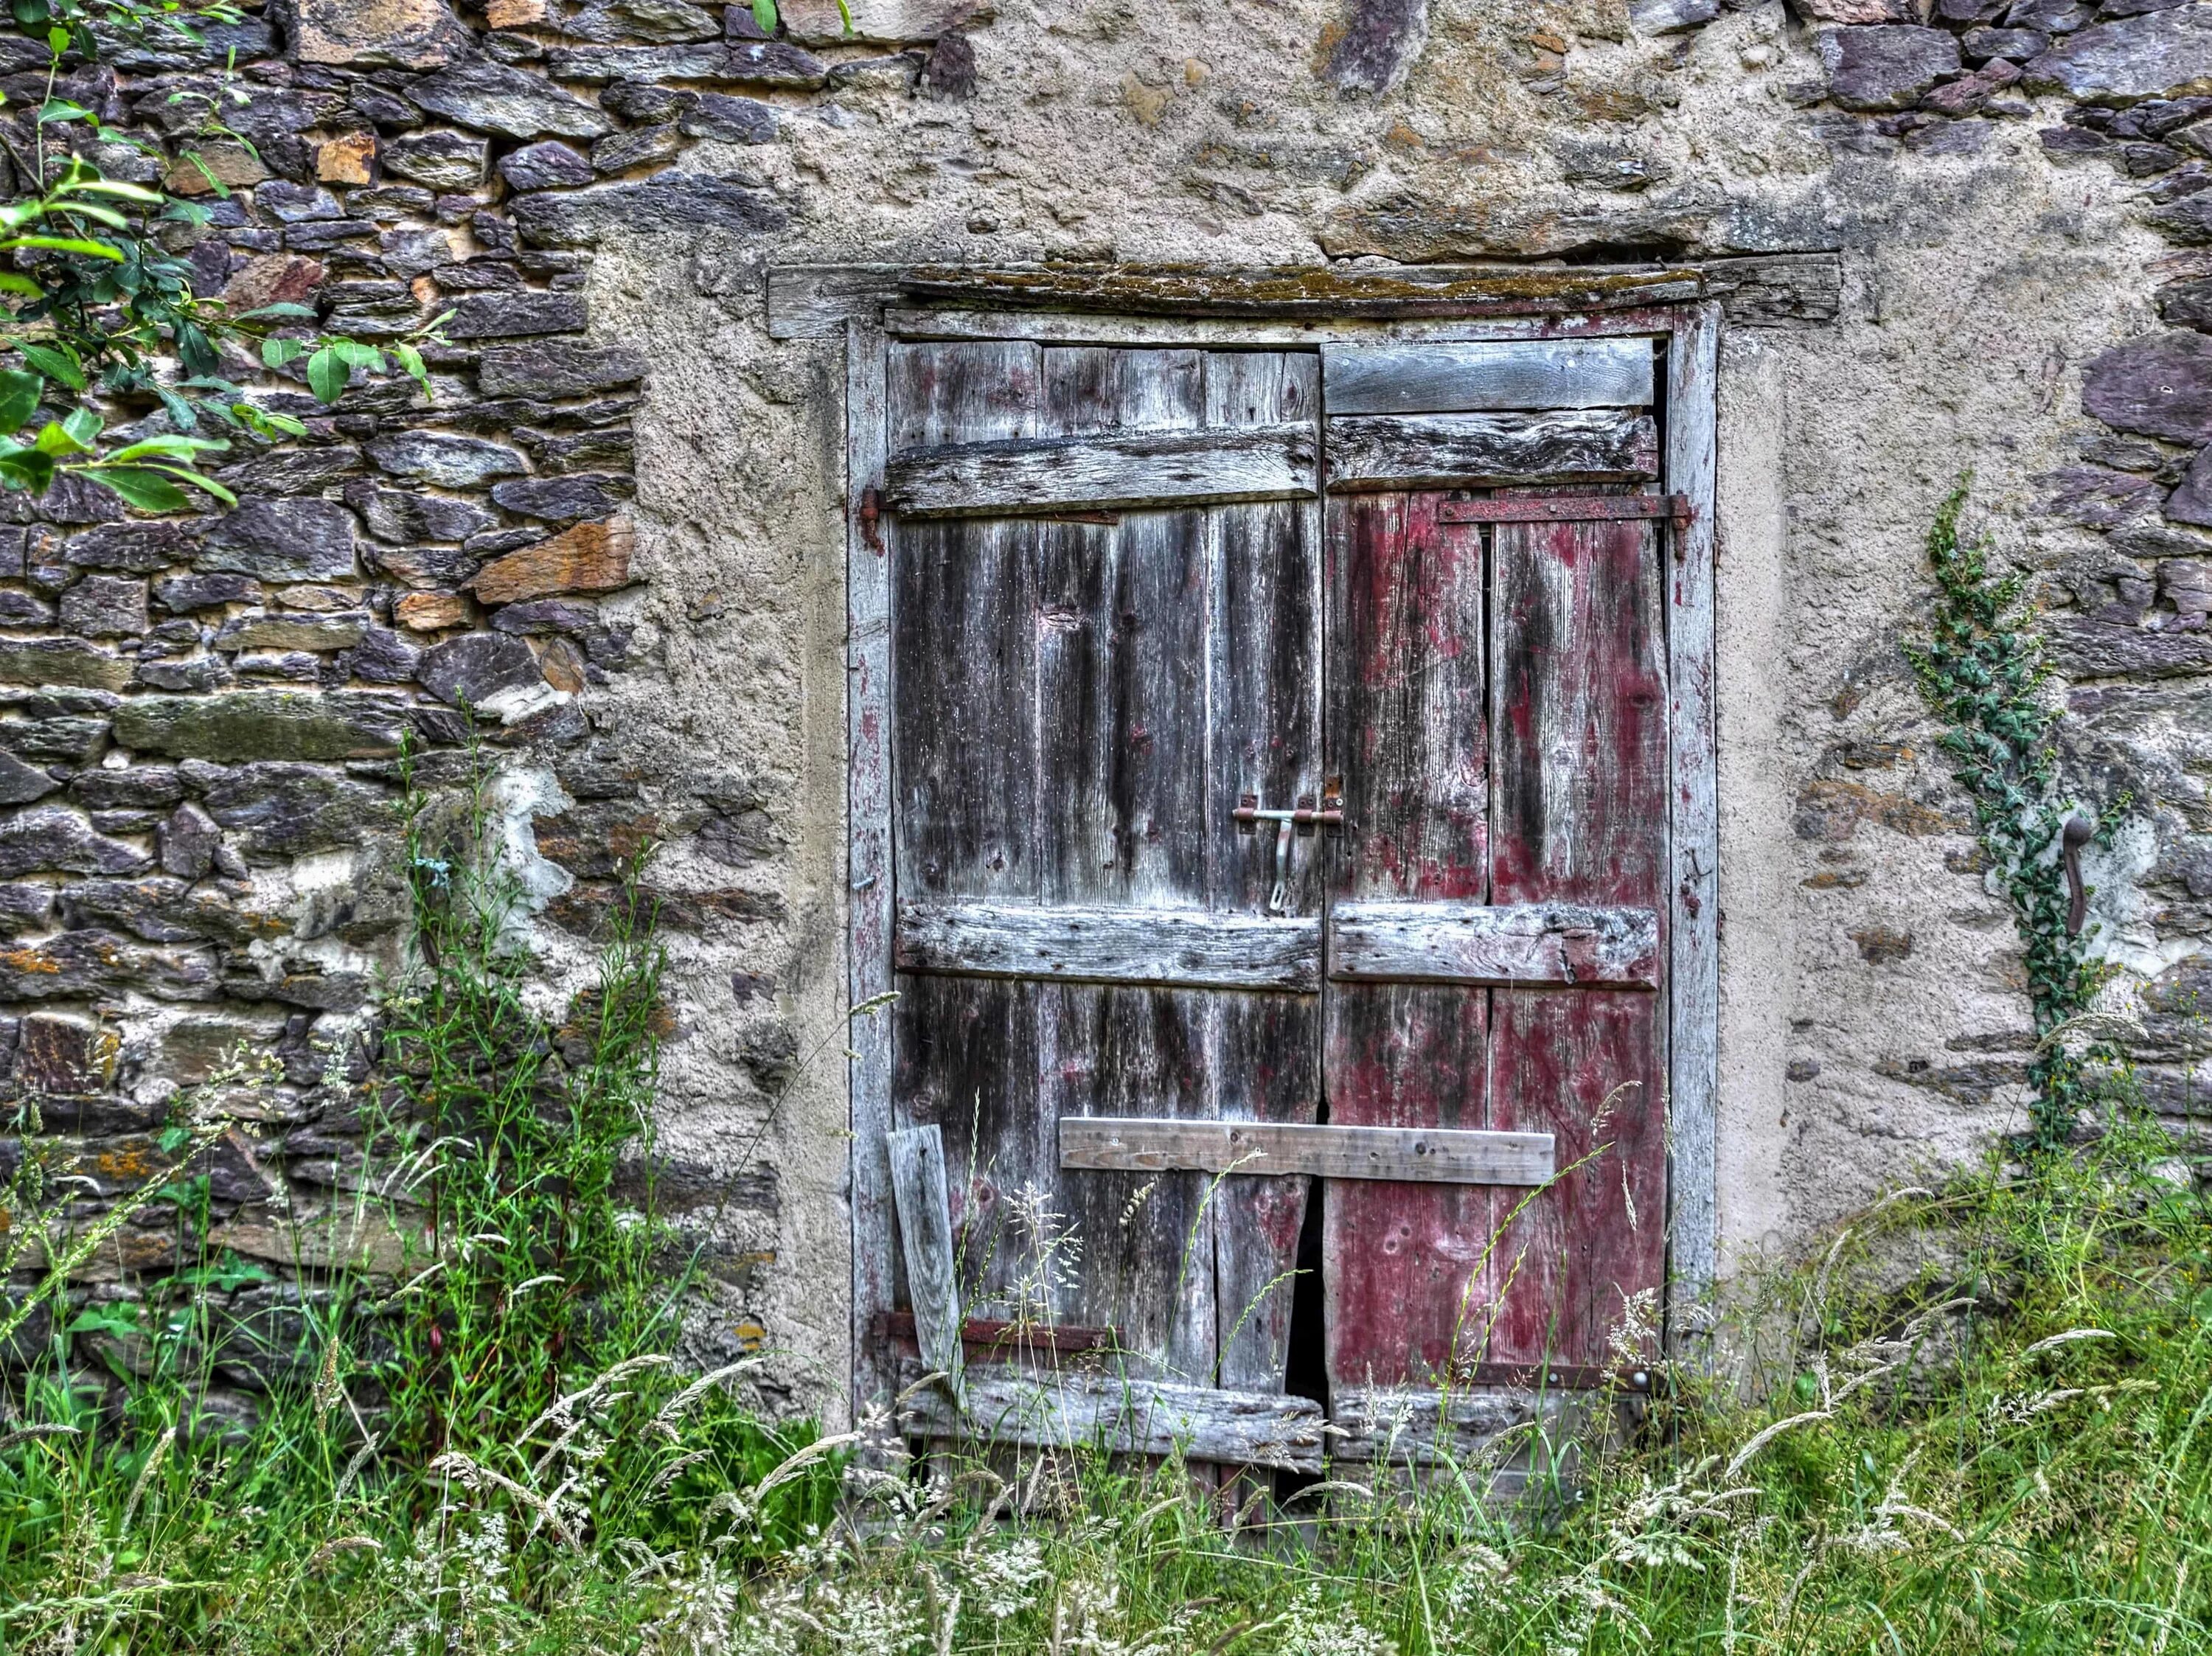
[142, 787]
[393, 514]
[20, 784]
[53, 839]
[292, 470]
[51, 733]
[25, 908]
[445, 458]
[556, 368]
[162, 908]
[2191, 501]
[494, 98]
[2098, 499]
[137, 549]
[739, 838]
[679, 203]
[1374, 47]
[202, 673]
[25, 610]
[296, 203]
[547, 165]
[438, 160]
[279, 810]
[413, 252]
[289, 631]
[733, 120]
[79, 964]
[2155, 54]
[371, 33]
[771, 63]
[104, 606]
[384, 658]
[2099, 647]
[643, 146]
[645, 100]
[1888, 66]
[2187, 304]
[585, 451]
[249, 725]
[2187, 221]
[663, 22]
[218, 43]
[2050, 16]
[559, 499]
[186, 592]
[2016, 44]
[62, 661]
[283, 540]
[949, 70]
[431, 567]
[2159, 384]
[590, 64]
[512, 315]
[477, 666]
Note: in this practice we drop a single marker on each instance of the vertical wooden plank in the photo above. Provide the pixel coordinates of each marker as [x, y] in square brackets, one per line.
[1693, 894]
[925, 1222]
[1264, 665]
[868, 854]
[1402, 1281]
[1578, 731]
[962, 392]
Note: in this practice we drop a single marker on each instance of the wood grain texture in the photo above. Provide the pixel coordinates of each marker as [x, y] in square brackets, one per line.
[808, 300]
[1178, 948]
[1421, 1154]
[1481, 451]
[925, 1222]
[1096, 472]
[1421, 1427]
[1403, 1262]
[1578, 778]
[1134, 1416]
[868, 856]
[1693, 888]
[1450, 378]
[1479, 944]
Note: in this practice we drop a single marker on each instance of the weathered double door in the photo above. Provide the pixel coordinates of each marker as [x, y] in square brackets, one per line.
[1270, 761]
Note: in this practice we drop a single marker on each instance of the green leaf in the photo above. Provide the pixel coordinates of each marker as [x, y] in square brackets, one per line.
[197, 481]
[764, 14]
[327, 373]
[25, 468]
[277, 353]
[356, 355]
[271, 313]
[55, 439]
[84, 425]
[61, 109]
[12, 283]
[65, 244]
[268, 423]
[19, 398]
[170, 446]
[142, 486]
[127, 191]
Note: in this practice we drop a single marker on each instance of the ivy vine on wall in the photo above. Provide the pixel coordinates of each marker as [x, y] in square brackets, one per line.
[1984, 673]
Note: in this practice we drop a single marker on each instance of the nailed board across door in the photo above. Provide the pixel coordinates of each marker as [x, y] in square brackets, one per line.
[1182, 468]
[1483, 451]
[1502, 944]
[1455, 376]
[1419, 1154]
[1181, 948]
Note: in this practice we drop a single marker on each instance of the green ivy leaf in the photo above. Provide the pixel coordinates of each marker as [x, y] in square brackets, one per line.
[19, 398]
[327, 374]
[142, 486]
[764, 14]
[278, 353]
[55, 365]
[26, 468]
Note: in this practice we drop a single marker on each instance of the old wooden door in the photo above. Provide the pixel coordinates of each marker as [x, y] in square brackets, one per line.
[1279, 738]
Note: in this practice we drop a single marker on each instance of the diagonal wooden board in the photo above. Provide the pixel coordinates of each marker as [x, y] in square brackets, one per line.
[1425, 1154]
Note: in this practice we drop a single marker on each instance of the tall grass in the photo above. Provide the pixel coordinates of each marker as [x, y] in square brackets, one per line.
[1980, 1420]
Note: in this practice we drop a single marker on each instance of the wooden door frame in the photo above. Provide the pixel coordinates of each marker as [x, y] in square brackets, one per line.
[873, 306]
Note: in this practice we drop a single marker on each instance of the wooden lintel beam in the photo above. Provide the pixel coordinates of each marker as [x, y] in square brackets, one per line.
[1419, 1154]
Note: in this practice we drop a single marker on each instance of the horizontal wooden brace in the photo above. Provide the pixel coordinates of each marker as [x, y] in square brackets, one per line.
[1433, 1155]
[1172, 948]
[998, 1337]
[1451, 450]
[1567, 509]
[1130, 1417]
[1501, 945]
[1042, 475]
[1457, 377]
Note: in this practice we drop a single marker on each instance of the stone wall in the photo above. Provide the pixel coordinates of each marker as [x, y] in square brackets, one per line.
[613, 529]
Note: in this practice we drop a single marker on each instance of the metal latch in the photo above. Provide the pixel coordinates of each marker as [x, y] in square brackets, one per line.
[1302, 818]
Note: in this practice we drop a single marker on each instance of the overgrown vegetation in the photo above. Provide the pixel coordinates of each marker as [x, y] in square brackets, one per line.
[1983, 673]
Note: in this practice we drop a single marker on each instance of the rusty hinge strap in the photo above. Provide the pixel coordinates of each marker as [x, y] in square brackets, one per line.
[871, 515]
[1567, 509]
[993, 1333]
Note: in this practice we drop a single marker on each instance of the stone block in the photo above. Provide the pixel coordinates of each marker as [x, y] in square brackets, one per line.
[292, 470]
[1866, 12]
[592, 557]
[642, 146]
[182, 593]
[445, 458]
[384, 657]
[22, 783]
[431, 612]
[1886, 68]
[25, 908]
[51, 733]
[477, 667]
[63, 661]
[2152, 55]
[140, 548]
[392, 514]
[660, 21]
[278, 810]
[272, 279]
[185, 844]
[380, 33]
[281, 540]
[731, 120]
[560, 499]
[494, 98]
[2159, 384]
[57, 1053]
[248, 724]
[2050, 16]
[293, 632]
[593, 64]
[556, 368]
[674, 203]
[104, 606]
[547, 165]
[516, 315]
[53, 840]
[135, 786]
[439, 160]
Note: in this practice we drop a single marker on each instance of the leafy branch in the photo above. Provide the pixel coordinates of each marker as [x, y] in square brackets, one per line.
[1983, 673]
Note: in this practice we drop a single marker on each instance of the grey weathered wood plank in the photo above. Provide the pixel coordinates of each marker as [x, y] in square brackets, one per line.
[1132, 469]
[1451, 450]
[1456, 376]
[1408, 1426]
[1147, 1418]
[1502, 943]
[1429, 1155]
[925, 1222]
[868, 854]
[1693, 974]
[1184, 948]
